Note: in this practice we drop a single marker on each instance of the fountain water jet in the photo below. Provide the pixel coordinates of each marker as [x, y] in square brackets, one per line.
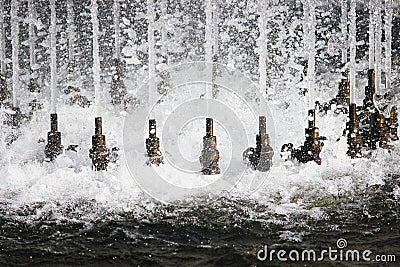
[4, 93]
[378, 47]
[54, 147]
[152, 143]
[118, 90]
[14, 116]
[99, 153]
[33, 81]
[354, 140]
[312, 147]
[260, 157]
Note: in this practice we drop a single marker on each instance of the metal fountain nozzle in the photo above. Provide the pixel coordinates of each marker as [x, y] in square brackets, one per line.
[393, 124]
[54, 147]
[260, 157]
[99, 153]
[209, 158]
[312, 147]
[153, 145]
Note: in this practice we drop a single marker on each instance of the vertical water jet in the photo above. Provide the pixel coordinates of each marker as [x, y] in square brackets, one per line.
[312, 147]
[260, 157]
[33, 80]
[14, 116]
[378, 47]
[99, 153]
[54, 147]
[354, 140]
[4, 93]
[388, 43]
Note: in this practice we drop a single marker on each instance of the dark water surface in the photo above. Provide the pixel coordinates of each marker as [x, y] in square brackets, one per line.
[229, 233]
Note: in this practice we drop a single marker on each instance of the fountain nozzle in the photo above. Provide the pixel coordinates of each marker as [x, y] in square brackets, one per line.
[153, 145]
[312, 147]
[260, 157]
[54, 147]
[99, 153]
[209, 158]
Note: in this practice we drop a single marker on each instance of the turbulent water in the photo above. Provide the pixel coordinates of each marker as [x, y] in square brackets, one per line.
[228, 233]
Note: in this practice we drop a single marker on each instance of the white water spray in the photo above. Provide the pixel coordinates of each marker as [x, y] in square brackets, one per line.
[209, 42]
[353, 49]
[163, 31]
[96, 56]
[116, 9]
[388, 38]
[343, 26]
[53, 56]
[151, 42]
[310, 40]
[32, 35]
[371, 40]
[2, 41]
[15, 49]
[378, 47]
[70, 30]
[262, 49]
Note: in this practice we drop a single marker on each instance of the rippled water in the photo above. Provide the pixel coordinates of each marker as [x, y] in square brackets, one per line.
[228, 233]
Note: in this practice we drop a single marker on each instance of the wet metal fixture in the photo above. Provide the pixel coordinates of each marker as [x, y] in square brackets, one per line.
[312, 147]
[354, 140]
[99, 153]
[153, 145]
[14, 117]
[393, 124]
[376, 129]
[54, 147]
[260, 157]
[369, 114]
[209, 155]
